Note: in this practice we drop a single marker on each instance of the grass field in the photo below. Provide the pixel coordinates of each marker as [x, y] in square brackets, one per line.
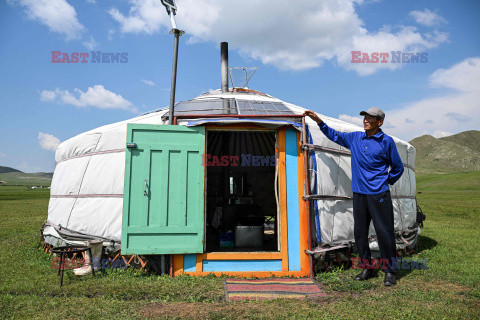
[448, 289]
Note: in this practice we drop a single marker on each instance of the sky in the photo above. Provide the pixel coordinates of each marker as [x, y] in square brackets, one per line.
[320, 55]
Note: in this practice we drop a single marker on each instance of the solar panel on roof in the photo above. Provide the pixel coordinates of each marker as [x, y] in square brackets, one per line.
[207, 106]
[230, 106]
[210, 106]
[249, 107]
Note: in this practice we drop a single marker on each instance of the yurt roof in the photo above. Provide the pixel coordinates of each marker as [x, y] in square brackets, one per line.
[243, 103]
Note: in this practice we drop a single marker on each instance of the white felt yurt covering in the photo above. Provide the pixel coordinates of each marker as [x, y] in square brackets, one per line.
[87, 188]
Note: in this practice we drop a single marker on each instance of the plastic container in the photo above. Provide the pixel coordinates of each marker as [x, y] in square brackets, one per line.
[249, 236]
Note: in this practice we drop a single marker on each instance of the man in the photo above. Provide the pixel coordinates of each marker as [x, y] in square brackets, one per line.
[373, 152]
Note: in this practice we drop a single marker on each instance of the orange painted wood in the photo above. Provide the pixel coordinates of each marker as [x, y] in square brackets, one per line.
[253, 274]
[199, 266]
[177, 264]
[308, 203]
[241, 256]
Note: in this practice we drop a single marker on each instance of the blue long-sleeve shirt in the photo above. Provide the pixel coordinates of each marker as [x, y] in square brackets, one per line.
[371, 158]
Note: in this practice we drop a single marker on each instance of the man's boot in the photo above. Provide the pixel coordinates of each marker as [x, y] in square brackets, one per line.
[389, 279]
[364, 275]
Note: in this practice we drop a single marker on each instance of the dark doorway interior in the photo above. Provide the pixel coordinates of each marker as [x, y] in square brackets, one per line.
[241, 206]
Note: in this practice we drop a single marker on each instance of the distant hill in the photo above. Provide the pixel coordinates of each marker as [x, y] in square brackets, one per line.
[8, 169]
[457, 153]
[10, 176]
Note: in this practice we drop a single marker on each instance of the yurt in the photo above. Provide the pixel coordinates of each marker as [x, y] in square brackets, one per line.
[240, 183]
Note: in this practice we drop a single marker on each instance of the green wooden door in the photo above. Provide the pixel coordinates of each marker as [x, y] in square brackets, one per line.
[163, 196]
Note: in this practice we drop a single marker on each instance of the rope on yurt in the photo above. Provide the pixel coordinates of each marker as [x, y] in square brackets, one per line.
[83, 176]
[275, 186]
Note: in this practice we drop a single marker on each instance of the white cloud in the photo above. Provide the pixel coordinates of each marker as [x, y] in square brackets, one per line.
[47, 96]
[289, 36]
[148, 82]
[48, 141]
[144, 16]
[58, 15]
[355, 120]
[96, 96]
[427, 18]
[441, 134]
[111, 32]
[91, 44]
[463, 76]
[450, 111]
[92, 1]
[407, 39]
[2, 155]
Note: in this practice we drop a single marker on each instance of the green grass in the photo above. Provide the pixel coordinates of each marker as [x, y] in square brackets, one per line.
[24, 192]
[448, 289]
[452, 206]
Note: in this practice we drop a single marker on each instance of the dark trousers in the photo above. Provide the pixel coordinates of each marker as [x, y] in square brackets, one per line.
[379, 209]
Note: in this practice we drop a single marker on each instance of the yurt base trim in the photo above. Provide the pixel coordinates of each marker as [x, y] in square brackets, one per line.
[118, 261]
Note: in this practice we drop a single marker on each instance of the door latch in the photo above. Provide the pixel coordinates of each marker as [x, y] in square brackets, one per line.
[131, 145]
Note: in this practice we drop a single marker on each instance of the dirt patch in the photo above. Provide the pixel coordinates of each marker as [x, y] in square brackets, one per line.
[333, 297]
[453, 287]
[431, 285]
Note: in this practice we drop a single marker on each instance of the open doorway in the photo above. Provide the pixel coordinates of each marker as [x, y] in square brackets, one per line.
[241, 208]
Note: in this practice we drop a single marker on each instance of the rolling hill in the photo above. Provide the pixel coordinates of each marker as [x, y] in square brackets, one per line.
[456, 153]
[10, 176]
[8, 169]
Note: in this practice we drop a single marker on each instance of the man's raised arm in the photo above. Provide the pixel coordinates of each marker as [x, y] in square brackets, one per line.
[342, 138]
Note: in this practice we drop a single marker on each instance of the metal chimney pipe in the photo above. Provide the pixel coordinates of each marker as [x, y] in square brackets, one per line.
[224, 69]
[224, 65]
